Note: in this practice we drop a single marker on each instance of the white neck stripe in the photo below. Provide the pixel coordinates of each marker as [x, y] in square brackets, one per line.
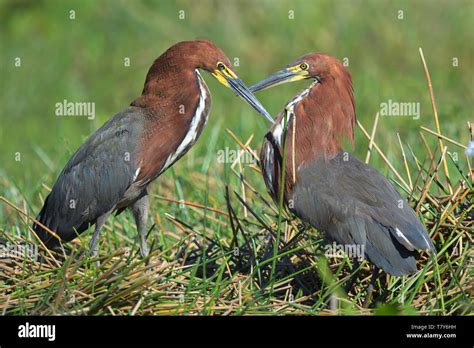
[190, 137]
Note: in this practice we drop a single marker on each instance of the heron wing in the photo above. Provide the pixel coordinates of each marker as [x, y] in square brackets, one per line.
[354, 203]
[95, 178]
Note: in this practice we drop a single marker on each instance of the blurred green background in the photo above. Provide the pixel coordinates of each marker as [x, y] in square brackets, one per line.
[83, 60]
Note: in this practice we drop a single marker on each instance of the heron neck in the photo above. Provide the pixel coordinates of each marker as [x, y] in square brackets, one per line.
[324, 115]
[172, 126]
[168, 89]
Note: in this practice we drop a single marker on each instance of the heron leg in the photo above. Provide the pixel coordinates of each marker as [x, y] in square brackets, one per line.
[94, 245]
[140, 213]
[370, 288]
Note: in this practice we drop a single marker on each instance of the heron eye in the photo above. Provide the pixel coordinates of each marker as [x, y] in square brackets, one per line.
[221, 66]
[304, 66]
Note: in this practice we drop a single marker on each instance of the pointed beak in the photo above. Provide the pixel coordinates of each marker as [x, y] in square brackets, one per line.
[232, 81]
[236, 85]
[282, 76]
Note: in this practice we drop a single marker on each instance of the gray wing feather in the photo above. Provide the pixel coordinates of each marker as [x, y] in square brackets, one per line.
[95, 178]
[354, 203]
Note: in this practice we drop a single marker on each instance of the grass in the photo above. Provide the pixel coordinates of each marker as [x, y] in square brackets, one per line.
[219, 246]
[250, 258]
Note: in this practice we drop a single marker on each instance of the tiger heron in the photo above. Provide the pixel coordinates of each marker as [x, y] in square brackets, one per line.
[324, 185]
[111, 171]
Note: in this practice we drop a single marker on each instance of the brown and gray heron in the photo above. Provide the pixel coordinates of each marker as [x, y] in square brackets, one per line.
[111, 171]
[324, 185]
